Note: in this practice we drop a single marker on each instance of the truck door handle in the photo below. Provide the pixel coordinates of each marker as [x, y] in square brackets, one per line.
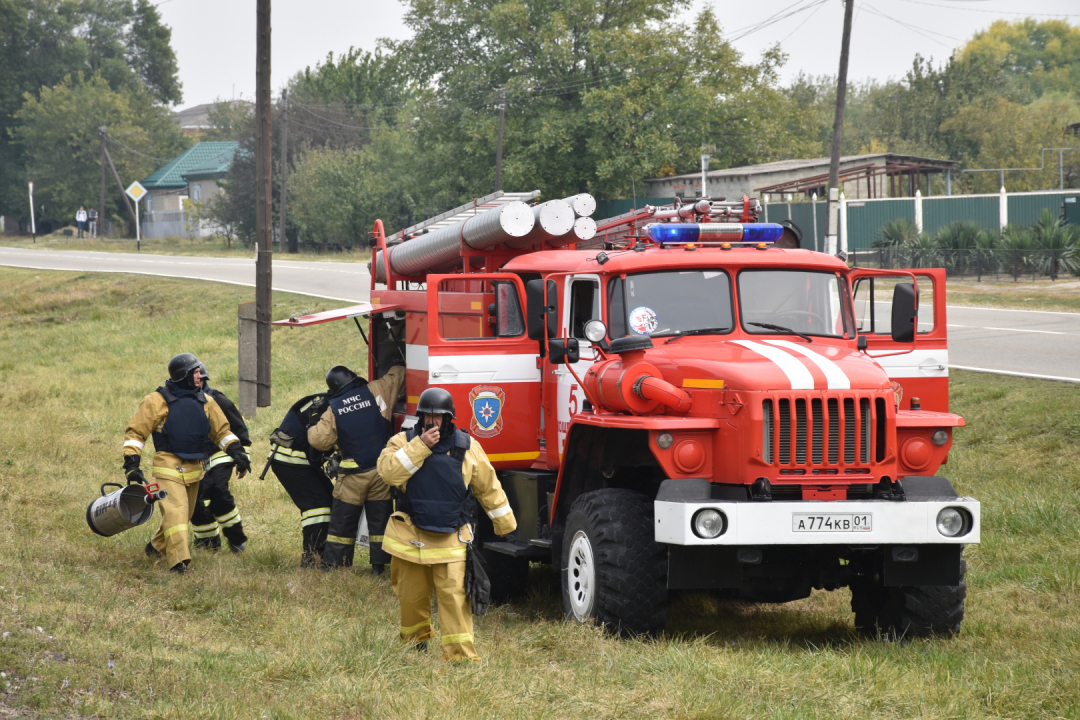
[932, 366]
[441, 373]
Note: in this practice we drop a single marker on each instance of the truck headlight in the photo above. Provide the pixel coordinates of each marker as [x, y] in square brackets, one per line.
[940, 437]
[953, 522]
[709, 523]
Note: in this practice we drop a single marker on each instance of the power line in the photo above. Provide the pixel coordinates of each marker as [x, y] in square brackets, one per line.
[128, 147]
[993, 12]
[913, 28]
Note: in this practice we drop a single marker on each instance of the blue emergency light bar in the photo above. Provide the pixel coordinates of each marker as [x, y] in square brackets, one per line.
[682, 233]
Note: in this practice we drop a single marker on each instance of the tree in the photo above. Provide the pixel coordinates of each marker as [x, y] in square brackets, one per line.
[44, 41]
[598, 94]
[1034, 56]
[60, 135]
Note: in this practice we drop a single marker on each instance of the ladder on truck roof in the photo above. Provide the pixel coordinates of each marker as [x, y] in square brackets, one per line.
[450, 217]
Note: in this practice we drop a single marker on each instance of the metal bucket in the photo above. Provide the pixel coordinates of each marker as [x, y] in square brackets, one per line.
[122, 509]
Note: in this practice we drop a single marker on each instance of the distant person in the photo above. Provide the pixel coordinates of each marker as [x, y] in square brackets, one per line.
[80, 220]
[93, 222]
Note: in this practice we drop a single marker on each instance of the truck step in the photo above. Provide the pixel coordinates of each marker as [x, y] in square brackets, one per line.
[517, 549]
[541, 543]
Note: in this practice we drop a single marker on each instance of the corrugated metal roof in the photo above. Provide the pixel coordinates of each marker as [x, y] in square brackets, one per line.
[216, 166]
[463, 212]
[171, 175]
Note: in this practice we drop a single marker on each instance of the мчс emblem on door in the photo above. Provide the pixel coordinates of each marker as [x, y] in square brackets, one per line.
[487, 404]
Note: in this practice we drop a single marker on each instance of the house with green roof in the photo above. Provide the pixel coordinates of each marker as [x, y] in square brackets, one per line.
[169, 185]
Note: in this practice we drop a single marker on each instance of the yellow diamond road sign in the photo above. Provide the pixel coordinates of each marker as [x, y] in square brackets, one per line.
[136, 191]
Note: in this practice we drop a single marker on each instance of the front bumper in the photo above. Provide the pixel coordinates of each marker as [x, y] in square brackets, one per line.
[908, 522]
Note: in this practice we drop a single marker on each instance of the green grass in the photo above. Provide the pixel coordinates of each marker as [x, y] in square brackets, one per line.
[200, 247]
[1062, 295]
[254, 636]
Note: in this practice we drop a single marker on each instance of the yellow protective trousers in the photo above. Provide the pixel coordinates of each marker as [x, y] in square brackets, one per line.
[413, 584]
[181, 482]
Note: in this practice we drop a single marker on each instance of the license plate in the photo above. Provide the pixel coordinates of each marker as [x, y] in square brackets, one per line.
[832, 522]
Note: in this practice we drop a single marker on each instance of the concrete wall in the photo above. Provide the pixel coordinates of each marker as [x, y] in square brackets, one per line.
[209, 188]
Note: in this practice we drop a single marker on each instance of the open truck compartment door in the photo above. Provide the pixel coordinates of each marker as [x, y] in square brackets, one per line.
[479, 351]
[921, 368]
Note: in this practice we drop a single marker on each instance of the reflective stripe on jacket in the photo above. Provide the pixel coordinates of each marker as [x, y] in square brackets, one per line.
[399, 462]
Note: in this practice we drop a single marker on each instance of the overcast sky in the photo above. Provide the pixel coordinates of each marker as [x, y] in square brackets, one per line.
[215, 39]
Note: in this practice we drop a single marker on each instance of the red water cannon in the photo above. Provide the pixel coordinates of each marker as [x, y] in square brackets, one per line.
[627, 383]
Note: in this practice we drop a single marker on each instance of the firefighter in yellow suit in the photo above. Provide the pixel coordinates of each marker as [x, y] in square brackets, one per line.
[434, 467]
[180, 418]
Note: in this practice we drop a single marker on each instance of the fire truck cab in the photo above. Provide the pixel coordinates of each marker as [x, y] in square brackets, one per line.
[729, 416]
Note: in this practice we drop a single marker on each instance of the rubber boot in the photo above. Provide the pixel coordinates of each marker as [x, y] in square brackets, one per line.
[378, 514]
[341, 535]
[179, 568]
[314, 544]
[151, 551]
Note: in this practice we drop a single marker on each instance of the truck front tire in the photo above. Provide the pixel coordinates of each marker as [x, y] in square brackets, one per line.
[908, 611]
[613, 571]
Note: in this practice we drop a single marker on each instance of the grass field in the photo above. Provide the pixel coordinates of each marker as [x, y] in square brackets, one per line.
[91, 628]
[208, 247]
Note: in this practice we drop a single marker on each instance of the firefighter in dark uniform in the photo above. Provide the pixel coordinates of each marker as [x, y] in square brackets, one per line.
[359, 422]
[215, 511]
[299, 469]
[180, 417]
[433, 467]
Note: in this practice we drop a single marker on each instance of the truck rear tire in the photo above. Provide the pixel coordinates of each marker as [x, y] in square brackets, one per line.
[613, 571]
[908, 611]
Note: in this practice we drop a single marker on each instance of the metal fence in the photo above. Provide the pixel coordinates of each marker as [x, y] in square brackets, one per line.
[980, 264]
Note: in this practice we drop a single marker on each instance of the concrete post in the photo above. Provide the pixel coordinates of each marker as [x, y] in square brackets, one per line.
[830, 236]
[248, 359]
[813, 211]
[918, 211]
[842, 222]
[1003, 208]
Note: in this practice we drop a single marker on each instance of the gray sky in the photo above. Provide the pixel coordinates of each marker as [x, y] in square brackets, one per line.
[215, 39]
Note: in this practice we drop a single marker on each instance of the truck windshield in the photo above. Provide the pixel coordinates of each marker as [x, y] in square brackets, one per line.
[793, 302]
[670, 303]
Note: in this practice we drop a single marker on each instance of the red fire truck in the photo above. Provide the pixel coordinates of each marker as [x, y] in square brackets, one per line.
[687, 400]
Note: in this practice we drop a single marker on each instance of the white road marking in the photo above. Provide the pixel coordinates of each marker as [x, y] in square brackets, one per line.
[1023, 330]
[1016, 374]
[1040, 312]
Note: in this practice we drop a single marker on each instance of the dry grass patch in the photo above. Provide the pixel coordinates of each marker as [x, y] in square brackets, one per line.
[254, 636]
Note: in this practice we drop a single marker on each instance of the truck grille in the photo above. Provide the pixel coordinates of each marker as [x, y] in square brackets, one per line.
[836, 431]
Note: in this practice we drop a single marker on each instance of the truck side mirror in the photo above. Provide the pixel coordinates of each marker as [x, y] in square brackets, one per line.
[538, 311]
[563, 350]
[905, 313]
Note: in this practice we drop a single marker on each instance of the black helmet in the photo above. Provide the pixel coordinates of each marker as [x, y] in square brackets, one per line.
[436, 401]
[338, 377]
[202, 371]
[181, 365]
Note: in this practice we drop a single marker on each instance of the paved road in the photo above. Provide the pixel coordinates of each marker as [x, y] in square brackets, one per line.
[337, 281]
[1021, 342]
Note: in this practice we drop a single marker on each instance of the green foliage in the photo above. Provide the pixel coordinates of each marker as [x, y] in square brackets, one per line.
[60, 135]
[965, 235]
[1000, 99]
[597, 94]
[897, 233]
[337, 195]
[44, 41]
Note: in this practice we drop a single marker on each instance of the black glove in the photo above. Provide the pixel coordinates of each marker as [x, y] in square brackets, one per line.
[236, 452]
[132, 471]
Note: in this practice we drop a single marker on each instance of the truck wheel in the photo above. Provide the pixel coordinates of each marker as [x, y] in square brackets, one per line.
[509, 576]
[613, 571]
[909, 611]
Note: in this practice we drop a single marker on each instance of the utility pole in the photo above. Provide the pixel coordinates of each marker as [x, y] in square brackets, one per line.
[498, 147]
[284, 170]
[101, 205]
[123, 192]
[263, 200]
[838, 131]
